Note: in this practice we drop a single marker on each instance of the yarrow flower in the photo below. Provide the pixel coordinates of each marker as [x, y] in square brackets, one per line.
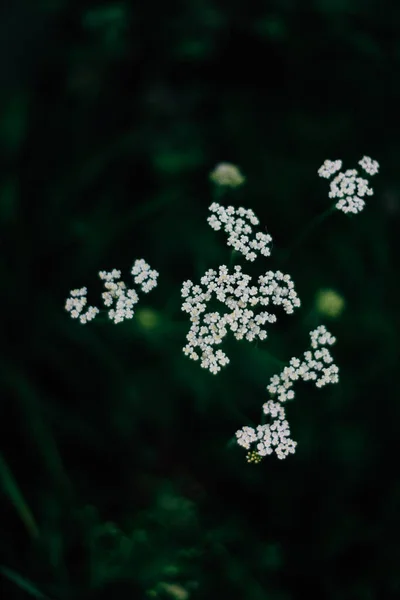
[144, 276]
[238, 224]
[350, 189]
[77, 302]
[370, 166]
[329, 168]
[117, 296]
[228, 175]
[347, 186]
[268, 438]
[316, 365]
[235, 292]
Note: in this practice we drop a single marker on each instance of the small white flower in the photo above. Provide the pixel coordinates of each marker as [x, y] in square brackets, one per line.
[75, 304]
[370, 166]
[117, 296]
[240, 298]
[274, 437]
[90, 314]
[329, 168]
[349, 189]
[144, 275]
[316, 365]
[238, 224]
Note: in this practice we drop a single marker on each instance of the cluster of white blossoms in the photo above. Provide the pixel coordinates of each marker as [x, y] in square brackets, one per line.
[347, 186]
[117, 293]
[238, 224]
[316, 365]
[117, 296]
[235, 292]
[144, 276]
[76, 303]
[329, 168]
[274, 436]
[369, 165]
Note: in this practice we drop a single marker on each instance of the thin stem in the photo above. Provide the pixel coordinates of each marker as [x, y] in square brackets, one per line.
[22, 583]
[12, 490]
[232, 258]
[218, 192]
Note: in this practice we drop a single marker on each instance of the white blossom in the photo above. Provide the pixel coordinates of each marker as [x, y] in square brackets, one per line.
[75, 304]
[269, 438]
[348, 187]
[240, 298]
[90, 314]
[329, 168]
[117, 297]
[144, 275]
[315, 365]
[350, 190]
[238, 224]
[369, 165]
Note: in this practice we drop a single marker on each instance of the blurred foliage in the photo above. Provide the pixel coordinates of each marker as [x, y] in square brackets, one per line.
[117, 473]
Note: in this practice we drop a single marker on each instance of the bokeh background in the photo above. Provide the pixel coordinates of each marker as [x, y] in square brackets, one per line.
[118, 473]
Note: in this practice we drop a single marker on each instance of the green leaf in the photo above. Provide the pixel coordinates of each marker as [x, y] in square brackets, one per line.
[12, 490]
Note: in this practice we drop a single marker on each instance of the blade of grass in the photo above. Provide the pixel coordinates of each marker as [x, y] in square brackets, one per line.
[22, 583]
[12, 490]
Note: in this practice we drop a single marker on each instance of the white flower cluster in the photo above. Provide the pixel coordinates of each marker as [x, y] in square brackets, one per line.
[350, 189]
[116, 293]
[329, 168]
[347, 186]
[317, 365]
[77, 302]
[208, 329]
[370, 166]
[144, 276]
[269, 438]
[237, 223]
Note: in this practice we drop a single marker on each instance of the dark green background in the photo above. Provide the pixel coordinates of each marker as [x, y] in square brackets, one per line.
[117, 473]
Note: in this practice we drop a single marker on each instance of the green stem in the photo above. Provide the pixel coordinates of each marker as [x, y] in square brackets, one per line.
[232, 258]
[12, 490]
[22, 583]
